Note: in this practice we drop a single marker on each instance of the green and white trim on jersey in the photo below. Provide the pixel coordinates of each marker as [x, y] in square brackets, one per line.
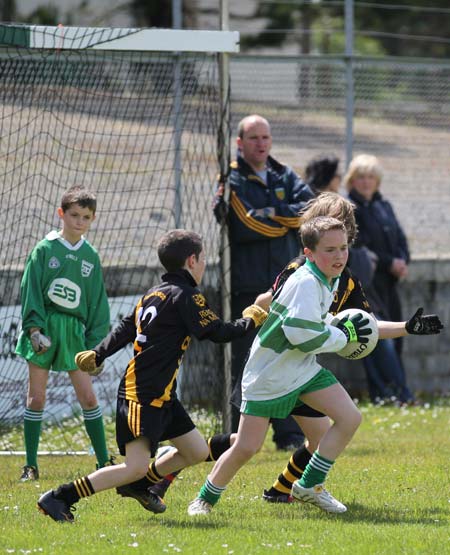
[283, 355]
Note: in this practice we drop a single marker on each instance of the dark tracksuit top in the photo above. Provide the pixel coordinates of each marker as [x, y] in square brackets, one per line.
[260, 246]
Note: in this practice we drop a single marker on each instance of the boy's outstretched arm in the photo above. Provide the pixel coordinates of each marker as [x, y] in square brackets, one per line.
[252, 317]
[92, 361]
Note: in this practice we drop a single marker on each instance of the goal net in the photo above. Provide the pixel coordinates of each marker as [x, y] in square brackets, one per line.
[134, 115]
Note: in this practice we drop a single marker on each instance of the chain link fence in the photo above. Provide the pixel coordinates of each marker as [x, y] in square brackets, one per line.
[401, 115]
[140, 130]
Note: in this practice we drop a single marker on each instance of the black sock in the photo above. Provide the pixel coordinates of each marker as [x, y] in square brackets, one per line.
[218, 444]
[151, 478]
[293, 471]
[73, 492]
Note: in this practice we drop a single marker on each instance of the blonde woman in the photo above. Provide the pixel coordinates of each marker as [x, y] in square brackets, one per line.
[380, 231]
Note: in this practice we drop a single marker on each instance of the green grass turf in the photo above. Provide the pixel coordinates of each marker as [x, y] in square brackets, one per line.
[394, 478]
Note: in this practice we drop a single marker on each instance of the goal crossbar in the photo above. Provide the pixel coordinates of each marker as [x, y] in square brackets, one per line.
[126, 39]
[139, 117]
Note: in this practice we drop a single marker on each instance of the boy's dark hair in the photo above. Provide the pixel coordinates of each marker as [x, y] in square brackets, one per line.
[176, 246]
[79, 195]
[313, 230]
[320, 171]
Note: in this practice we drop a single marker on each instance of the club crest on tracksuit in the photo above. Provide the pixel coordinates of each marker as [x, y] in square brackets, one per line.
[199, 300]
[280, 193]
[53, 263]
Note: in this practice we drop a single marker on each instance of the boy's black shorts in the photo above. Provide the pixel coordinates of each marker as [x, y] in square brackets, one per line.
[305, 410]
[134, 420]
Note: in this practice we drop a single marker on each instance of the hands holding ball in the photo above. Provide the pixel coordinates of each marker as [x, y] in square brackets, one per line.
[361, 330]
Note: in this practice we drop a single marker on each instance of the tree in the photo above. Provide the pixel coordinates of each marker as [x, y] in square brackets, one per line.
[403, 28]
[409, 17]
[8, 10]
[158, 13]
[44, 15]
[283, 17]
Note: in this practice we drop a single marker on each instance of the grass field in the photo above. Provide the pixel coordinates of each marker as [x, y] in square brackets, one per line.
[394, 478]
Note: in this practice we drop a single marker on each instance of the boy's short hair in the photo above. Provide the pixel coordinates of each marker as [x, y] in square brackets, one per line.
[176, 246]
[79, 195]
[313, 230]
[335, 206]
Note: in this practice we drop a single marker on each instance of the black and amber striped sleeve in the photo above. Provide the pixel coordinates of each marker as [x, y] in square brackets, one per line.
[266, 227]
[292, 222]
[203, 323]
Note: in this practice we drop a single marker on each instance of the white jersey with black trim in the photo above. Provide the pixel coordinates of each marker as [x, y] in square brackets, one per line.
[283, 354]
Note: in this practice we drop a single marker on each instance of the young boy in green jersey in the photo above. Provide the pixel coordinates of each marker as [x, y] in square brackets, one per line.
[282, 371]
[64, 310]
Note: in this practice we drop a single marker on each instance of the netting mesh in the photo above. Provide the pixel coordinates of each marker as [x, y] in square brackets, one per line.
[140, 131]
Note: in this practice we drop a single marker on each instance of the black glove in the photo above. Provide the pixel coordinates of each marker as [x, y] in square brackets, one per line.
[354, 328]
[424, 325]
[220, 207]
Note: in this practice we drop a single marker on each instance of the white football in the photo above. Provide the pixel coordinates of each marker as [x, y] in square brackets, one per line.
[356, 350]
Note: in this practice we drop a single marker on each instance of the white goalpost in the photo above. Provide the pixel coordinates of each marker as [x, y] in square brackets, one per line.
[139, 117]
[126, 39]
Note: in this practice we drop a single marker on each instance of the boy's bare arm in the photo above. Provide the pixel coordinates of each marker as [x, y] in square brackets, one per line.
[264, 299]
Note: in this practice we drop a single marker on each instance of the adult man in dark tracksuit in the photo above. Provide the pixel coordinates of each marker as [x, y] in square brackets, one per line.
[263, 222]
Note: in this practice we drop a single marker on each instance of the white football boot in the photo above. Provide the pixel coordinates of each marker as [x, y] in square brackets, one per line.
[318, 496]
[199, 507]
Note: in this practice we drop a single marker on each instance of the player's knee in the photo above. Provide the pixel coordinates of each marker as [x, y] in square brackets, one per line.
[245, 451]
[137, 470]
[200, 454]
[354, 419]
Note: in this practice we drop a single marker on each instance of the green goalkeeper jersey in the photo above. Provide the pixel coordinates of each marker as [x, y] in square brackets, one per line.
[65, 278]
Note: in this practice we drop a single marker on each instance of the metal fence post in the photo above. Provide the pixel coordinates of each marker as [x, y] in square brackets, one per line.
[224, 155]
[349, 103]
[177, 23]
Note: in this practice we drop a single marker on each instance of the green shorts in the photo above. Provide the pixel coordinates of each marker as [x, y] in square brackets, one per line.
[67, 337]
[281, 407]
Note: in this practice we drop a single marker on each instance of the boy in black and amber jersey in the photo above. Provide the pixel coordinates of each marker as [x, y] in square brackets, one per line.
[350, 294]
[148, 411]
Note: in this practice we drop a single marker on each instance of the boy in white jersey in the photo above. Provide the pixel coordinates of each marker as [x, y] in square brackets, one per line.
[282, 371]
[64, 310]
